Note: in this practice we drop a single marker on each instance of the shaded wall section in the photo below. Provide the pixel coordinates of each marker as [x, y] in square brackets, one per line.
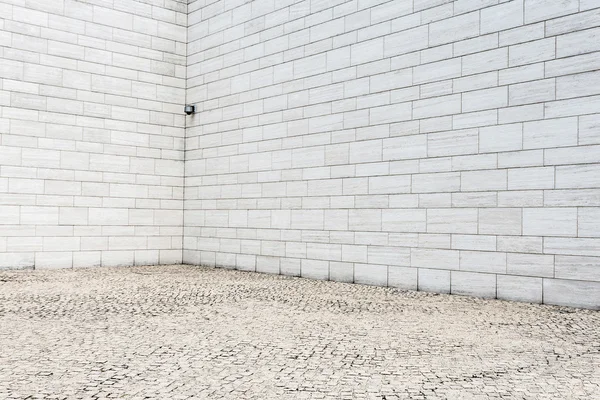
[91, 132]
[446, 146]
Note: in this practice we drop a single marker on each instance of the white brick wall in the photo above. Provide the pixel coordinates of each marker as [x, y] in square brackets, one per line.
[91, 132]
[449, 146]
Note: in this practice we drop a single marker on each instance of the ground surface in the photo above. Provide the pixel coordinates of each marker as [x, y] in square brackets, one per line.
[190, 332]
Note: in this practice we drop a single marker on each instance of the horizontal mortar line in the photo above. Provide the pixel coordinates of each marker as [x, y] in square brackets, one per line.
[317, 196]
[83, 47]
[222, 132]
[380, 208]
[102, 235]
[386, 138]
[5, 108]
[200, 186]
[209, 175]
[374, 208]
[79, 90]
[97, 63]
[380, 36]
[23, 6]
[24, 146]
[475, 168]
[507, 85]
[358, 12]
[414, 85]
[78, 196]
[83, 127]
[309, 242]
[419, 85]
[388, 265]
[87, 171]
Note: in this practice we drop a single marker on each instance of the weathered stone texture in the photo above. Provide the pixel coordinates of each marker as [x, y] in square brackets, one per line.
[91, 132]
[457, 138]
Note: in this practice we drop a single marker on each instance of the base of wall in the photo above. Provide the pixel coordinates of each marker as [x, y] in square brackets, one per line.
[82, 259]
[562, 292]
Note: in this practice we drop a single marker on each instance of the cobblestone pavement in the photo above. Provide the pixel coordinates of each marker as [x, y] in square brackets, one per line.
[178, 332]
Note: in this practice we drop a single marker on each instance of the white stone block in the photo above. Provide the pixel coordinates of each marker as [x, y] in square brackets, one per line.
[578, 176]
[434, 280]
[452, 143]
[584, 41]
[53, 260]
[367, 51]
[486, 180]
[572, 246]
[389, 184]
[539, 10]
[17, 260]
[437, 106]
[531, 178]
[369, 274]
[473, 284]
[405, 147]
[480, 261]
[437, 71]
[398, 256]
[572, 293]
[405, 41]
[404, 220]
[588, 219]
[491, 60]
[269, 265]
[577, 268]
[500, 221]
[315, 269]
[454, 29]
[9, 215]
[436, 183]
[85, 259]
[39, 216]
[354, 253]
[404, 278]
[501, 17]
[142, 257]
[452, 220]
[290, 266]
[550, 221]
[519, 288]
[540, 265]
[434, 258]
[531, 52]
[532, 92]
[341, 272]
[367, 151]
[550, 133]
[522, 244]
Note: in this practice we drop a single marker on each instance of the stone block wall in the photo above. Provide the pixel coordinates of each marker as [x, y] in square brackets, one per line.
[91, 132]
[447, 146]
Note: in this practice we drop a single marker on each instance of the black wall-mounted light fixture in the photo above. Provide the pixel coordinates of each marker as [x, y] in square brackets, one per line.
[190, 109]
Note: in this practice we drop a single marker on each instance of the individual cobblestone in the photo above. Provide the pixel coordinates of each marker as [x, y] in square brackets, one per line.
[182, 332]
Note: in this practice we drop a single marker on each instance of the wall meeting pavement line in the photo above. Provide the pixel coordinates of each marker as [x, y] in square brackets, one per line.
[447, 146]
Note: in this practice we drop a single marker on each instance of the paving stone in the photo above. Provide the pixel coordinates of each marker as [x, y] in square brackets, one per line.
[183, 332]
